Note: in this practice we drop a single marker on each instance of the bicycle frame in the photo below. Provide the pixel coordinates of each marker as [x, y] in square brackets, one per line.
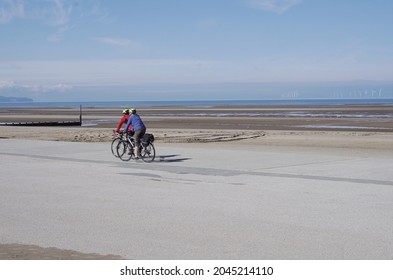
[125, 149]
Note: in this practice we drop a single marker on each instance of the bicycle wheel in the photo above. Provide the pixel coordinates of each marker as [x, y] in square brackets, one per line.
[114, 144]
[125, 151]
[148, 153]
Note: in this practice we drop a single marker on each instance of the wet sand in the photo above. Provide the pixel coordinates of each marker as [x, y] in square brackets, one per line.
[359, 126]
[372, 118]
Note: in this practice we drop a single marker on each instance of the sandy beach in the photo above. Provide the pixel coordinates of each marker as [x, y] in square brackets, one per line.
[369, 118]
[275, 133]
[357, 126]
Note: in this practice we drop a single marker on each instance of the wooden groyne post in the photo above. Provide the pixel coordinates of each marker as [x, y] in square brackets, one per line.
[48, 123]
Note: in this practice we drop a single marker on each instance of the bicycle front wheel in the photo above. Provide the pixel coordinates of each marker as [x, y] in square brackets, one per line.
[114, 144]
[125, 151]
[148, 153]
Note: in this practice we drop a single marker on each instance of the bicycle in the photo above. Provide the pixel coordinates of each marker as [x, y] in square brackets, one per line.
[125, 149]
[115, 142]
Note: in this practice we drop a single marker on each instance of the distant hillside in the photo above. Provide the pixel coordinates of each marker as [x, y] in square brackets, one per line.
[6, 99]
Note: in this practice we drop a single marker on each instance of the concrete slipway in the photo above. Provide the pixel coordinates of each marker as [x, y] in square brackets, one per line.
[205, 201]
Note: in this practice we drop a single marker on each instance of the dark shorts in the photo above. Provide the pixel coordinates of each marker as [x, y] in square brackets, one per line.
[138, 135]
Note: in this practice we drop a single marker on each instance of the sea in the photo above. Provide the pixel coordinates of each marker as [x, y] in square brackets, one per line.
[201, 103]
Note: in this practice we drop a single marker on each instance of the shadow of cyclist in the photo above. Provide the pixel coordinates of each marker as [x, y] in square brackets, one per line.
[171, 158]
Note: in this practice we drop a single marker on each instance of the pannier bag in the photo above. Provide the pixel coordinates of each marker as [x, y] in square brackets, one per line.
[148, 138]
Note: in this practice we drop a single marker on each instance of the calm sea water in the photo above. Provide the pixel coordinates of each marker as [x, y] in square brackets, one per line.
[200, 103]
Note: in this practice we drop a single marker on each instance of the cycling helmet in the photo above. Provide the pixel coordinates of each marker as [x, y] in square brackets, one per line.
[132, 111]
[126, 111]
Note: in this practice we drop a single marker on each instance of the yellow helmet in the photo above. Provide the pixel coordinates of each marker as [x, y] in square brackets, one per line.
[132, 111]
[126, 111]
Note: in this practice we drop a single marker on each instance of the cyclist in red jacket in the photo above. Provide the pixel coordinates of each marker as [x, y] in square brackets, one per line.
[124, 120]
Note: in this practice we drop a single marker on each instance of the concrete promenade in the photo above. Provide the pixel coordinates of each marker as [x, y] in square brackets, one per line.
[198, 201]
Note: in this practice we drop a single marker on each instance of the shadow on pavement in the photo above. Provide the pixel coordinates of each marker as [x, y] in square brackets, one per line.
[171, 158]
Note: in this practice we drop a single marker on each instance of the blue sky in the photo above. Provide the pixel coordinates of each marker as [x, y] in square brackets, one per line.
[61, 50]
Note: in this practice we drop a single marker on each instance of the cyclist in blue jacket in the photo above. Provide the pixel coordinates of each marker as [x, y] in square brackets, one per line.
[138, 128]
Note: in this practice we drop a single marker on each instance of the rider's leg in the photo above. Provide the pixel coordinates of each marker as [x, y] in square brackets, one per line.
[138, 135]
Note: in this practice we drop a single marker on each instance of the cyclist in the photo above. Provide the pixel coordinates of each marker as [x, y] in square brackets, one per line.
[138, 128]
[124, 120]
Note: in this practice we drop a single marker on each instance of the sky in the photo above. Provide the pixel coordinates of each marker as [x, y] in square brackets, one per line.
[112, 50]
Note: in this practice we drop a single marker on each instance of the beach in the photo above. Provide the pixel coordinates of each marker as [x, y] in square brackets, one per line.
[360, 125]
[360, 117]
[300, 183]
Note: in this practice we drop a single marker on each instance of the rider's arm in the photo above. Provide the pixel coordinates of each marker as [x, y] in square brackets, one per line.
[123, 120]
[127, 125]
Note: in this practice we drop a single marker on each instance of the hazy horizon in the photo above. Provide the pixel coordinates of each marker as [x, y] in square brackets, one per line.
[223, 91]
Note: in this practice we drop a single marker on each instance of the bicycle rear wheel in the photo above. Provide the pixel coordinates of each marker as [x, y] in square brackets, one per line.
[114, 144]
[148, 153]
[125, 151]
